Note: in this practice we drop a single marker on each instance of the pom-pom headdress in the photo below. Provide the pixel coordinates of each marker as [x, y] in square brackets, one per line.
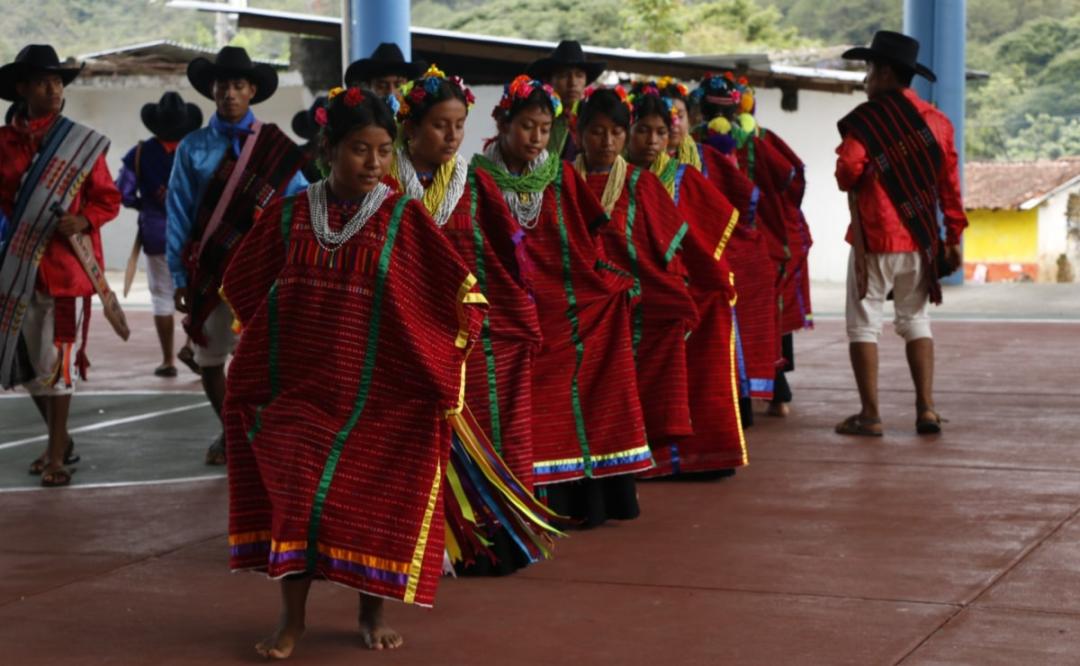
[427, 91]
[624, 97]
[642, 89]
[518, 91]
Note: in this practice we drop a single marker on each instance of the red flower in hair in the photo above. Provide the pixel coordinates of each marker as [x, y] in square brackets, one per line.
[353, 97]
[417, 94]
[730, 76]
[320, 116]
[470, 98]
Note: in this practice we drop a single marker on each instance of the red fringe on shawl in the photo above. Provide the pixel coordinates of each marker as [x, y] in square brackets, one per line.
[664, 311]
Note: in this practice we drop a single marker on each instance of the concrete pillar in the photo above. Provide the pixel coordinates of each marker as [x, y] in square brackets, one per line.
[940, 27]
[368, 23]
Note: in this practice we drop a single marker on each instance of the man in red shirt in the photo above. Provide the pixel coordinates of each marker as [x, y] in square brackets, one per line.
[898, 162]
[54, 184]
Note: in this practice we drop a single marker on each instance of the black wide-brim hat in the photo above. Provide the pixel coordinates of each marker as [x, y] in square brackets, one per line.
[303, 123]
[386, 60]
[567, 54]
[171, 118]
[895, 49]
[232, 62]
[33, 59]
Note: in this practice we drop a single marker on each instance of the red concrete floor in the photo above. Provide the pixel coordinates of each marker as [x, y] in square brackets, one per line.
[960, 549]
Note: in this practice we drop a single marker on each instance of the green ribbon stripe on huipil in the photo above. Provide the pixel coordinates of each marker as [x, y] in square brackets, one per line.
[363, 389]
[676, 243]
[575, 331]
[529, 183]
[637, 317]
[667, 176]
[485, 332]
[272, 321]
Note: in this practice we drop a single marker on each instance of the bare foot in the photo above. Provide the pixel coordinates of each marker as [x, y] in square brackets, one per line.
[777, 409]
[373, 629]
[281, 644]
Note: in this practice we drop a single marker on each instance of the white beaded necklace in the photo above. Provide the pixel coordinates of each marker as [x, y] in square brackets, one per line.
[320, 224]
[525, 206]
[415, 189]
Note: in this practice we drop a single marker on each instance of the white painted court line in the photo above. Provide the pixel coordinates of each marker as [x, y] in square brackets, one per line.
[108, 424]
[120, 484]
[13, 395]
[973, 319]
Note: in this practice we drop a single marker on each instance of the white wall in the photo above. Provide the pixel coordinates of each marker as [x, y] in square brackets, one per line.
[1053, 233]
[112, 107]
[811, 132]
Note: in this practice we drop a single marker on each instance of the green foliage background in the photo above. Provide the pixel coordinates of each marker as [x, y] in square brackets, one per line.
[1029, 108]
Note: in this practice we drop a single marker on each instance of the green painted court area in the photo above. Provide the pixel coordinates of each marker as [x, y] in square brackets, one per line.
[123, 438]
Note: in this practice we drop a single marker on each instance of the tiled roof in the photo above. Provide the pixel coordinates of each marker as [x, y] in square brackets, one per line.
[1011, 185]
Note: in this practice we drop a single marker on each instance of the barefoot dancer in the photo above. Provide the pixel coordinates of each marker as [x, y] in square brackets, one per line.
[470, 210]
[348, 383]
[41, 278]
[717, 445]
[746, 252]
[222, 176]
[591, 439]
[143, 183]
[645, 234]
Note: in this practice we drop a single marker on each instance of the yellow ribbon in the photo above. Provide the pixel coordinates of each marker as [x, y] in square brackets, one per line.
[614, 186]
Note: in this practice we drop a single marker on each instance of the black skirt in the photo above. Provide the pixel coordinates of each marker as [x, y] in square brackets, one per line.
[592, 502]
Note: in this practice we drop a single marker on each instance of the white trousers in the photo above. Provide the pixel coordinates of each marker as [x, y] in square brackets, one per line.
[903, 273]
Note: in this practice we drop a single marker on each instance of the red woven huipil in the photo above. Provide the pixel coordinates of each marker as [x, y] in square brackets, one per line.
[756, 311]
[795, 294]
[718, 441]
[644, 236]
[587, 419]
[498, 387]
[338, 396]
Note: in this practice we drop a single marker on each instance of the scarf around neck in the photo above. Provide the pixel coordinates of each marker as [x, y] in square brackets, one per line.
[234, 132]
[616, 179]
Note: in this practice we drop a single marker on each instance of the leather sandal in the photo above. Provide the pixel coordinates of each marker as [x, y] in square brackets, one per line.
[70, 458]
[858, 425]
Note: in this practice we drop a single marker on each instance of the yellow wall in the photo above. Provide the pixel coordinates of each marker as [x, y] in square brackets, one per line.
[1002, 235]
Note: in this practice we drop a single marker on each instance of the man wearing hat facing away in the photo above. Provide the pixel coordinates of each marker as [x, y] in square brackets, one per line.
[143, 183]
[898, 163]
[384, 72]
[222, 177]
[54, 185]
[568, 72]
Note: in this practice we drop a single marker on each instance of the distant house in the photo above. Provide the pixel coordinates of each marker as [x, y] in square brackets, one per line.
[1025, 216]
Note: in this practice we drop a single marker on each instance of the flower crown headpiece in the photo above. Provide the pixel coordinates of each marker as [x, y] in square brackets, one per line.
[419, 91]
[643, 89]
[519, 90]
[617, 89]
[726, 90]
[353, 97]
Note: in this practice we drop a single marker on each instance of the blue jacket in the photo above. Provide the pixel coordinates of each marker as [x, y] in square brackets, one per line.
[197, 158]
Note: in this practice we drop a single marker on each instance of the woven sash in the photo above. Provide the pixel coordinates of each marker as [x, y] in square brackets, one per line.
[67, 154]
